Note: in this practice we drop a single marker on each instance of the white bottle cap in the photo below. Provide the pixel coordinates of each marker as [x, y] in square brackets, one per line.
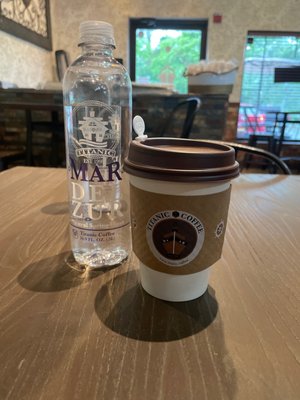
[97, 32]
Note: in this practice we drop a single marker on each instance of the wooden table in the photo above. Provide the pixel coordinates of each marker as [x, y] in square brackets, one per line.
[70, 336]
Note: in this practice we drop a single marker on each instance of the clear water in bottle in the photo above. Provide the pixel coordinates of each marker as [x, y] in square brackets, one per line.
[97, 108]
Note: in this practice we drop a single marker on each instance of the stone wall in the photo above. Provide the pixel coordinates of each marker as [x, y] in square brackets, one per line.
[231, 121]
[209, 122]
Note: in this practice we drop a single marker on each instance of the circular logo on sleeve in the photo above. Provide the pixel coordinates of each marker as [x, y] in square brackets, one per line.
[175, 237]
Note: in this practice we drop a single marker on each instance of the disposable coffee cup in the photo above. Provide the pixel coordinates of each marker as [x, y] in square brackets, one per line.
[179, 195]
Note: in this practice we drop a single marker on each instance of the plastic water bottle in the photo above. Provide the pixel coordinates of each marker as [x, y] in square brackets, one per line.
[97, 109]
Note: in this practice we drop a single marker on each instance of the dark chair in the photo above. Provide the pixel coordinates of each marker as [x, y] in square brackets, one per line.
[47, 144]
[9, 156]
[180, 121]
[12, 150]
[293, 162]
[276, 161]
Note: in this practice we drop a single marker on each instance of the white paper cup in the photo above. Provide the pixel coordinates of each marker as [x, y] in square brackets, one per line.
[180, 191]
[175, 287]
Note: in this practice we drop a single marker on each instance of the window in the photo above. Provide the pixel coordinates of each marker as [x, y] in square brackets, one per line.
[271, 82]
[160, 50]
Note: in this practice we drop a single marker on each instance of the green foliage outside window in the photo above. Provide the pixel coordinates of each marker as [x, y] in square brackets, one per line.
[163, 59]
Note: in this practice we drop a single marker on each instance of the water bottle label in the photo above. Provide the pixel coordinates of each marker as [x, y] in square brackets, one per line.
[96, 132]
[96, 184]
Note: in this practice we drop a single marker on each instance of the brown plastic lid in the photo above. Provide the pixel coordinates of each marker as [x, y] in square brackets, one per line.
[182, 160]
